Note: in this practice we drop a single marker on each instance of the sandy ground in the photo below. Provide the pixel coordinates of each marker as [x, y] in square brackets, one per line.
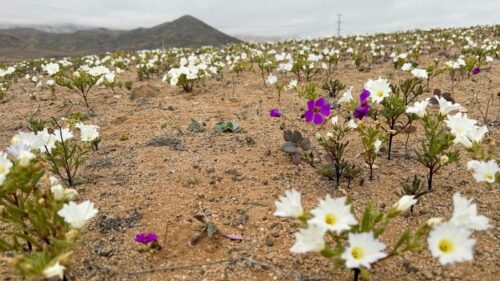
[163, 174]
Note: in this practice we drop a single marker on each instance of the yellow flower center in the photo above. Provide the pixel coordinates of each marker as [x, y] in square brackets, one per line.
[487, 176]
[2, 170]
[357, 253]
[380, 93]
[446, 246]
[330, 219]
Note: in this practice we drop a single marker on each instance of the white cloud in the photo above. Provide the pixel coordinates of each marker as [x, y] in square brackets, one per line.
[257, 17]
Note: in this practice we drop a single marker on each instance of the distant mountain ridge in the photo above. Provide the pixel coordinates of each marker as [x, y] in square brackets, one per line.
[186, 31]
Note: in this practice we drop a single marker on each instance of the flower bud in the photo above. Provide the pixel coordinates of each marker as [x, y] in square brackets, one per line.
[70, 194]
[25, 158]
[443, 159]
[72, 235]
[53, 180]
[405, 203]
[434, 221]
[65, 258]
[58, 192]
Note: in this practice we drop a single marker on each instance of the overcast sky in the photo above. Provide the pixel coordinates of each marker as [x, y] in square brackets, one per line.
[304, 18]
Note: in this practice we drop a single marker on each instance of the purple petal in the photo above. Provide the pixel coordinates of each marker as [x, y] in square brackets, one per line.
[364, 95]
[320, 102]
[318, 119]
[309, 115]
[234, 237]
[361, 111]
[275, 113]
[325, 110]
[310, 105]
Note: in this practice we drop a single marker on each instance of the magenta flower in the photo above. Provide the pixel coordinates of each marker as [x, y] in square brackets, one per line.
[317, 111]
[146, 238]
[363, 108]
[275, 113]
[476, 70]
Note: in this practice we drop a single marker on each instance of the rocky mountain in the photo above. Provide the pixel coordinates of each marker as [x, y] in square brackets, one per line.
[185, 31]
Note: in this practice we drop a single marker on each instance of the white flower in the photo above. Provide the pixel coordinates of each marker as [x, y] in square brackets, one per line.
[445, 106]
[419, 73]
[88, 133]
[465, 214]
[418, 108]
[58, 192]
[289, 205]
[352, 124]
[53, 180]
[333, 215]
[406, 67]
[272, 79]
[335, 120]
[54, 271]
[346, 97]
[462, 127]
[22, 152]
[477, 133]
[484, 171]
[292, 84]
[77, 214]
[379, 89]
[309, 239]
[377, 145]
[363, 250]
[405, 203]
[51, 68]
[5, 166]
[450, 243]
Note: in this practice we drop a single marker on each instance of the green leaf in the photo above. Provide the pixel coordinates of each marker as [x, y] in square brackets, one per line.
[289, 147]
[211, 229]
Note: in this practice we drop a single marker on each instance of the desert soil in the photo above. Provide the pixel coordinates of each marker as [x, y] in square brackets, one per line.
[152, 174]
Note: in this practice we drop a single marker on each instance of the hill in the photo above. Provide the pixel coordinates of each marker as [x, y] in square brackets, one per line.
[186, 31]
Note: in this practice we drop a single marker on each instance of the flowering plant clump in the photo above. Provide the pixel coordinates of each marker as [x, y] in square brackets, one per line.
[372, 138]
[190, 71]
[279, 85]
[335, 145]
[64, 156]
[355, 243]
[43, 221]
[436, 148]
[394, 107]
[148, 238]
[82, 80]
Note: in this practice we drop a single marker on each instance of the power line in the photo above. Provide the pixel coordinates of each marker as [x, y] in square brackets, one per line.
[42, 8]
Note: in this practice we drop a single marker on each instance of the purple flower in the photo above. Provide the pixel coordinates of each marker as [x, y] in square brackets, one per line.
[146, 238]
[363, 108]
[476, 70]
[317, 111]
[275, 113]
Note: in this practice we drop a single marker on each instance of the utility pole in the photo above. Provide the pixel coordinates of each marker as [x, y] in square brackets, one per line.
[338, 24]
